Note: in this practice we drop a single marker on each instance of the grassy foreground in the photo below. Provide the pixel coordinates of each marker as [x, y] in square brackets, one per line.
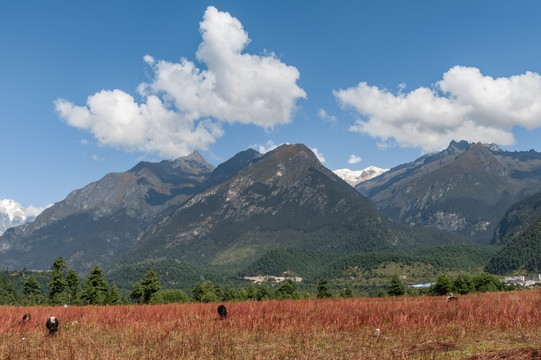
[483, 326]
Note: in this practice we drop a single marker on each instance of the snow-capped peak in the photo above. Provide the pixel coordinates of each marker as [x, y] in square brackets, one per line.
[354, 177]
[14, 214]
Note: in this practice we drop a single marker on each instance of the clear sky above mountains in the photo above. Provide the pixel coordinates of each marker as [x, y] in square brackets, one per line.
[88, 88]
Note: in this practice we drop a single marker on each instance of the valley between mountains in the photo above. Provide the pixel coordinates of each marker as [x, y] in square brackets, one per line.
[468, 208]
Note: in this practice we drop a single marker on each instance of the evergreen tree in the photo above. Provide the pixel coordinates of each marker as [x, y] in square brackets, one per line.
[218, 292]
[32, 290]
[137, 292]
[322, 290]
[8, 293]
[73, 283]
[286, 291]
[58, 284]
[96, 288]
[206, 292]
[463, 284]
[396, 288]
[114, 296]
[251, 292]
[444, 285]
[262, 293]
[242, 294]
[486, 282]
[347, 292]
[150, 285]
[229, 294]
[169, 296]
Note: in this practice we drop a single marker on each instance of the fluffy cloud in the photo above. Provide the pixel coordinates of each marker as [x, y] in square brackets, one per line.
[183, 107]
[464, 105]
[325, 116]
[263, 149]
[354, 159]
[319, 155]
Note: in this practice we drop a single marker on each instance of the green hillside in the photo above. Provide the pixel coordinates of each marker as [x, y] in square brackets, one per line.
[521, 254]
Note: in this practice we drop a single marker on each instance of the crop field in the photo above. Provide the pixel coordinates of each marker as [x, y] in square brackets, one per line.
[484, 326]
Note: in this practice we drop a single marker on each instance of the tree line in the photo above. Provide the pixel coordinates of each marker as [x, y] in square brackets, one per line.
[462, 284]
[65, 287]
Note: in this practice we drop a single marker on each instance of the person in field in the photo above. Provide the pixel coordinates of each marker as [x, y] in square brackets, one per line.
[222, 311]
[52, 325]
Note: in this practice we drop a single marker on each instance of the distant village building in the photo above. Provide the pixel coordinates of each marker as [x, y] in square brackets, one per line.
[514, 279]
[521, 280]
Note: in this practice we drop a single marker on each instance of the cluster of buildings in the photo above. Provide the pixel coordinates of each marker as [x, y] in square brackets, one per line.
[523, 280]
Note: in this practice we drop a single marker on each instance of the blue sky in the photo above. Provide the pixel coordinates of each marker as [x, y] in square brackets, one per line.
[88, 88]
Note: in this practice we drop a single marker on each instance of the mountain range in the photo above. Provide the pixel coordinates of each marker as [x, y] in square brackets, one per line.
[466, 188]
[14, 214]
[355, 177]
[280, 211]
[187, 210]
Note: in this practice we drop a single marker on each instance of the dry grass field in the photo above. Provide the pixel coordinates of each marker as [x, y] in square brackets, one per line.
[484, 326]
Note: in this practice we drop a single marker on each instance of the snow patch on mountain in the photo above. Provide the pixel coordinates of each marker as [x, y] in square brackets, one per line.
[354, 177]
[14, 214]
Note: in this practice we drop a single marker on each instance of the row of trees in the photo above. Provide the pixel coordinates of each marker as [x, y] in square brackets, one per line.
[209, 292]
[462, 284]
[65, 287]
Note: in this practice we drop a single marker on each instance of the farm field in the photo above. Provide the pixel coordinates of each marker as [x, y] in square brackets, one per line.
[483, 326]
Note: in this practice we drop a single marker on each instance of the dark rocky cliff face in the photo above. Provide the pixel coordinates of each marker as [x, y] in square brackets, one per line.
[465, 188]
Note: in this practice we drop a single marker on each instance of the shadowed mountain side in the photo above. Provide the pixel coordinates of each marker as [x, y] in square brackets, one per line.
[520, 234]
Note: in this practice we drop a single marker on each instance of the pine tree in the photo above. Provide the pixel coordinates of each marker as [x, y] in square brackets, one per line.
[444, 285]
[150, 285]
[347, 292]
[206, 292]
[463, 284]
[96, 289]
[137, 292]
[8, 293]
[322, 290]
[287, 291]
[396, 288]
[114, 296]
[58, 284]
[31, 287]
[251, 292]
[262, 293]
[73, 283]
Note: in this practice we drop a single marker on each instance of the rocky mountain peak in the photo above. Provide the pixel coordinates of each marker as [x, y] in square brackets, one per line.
[465, 188]
[14, 214]
[193, 162]
[354, 177]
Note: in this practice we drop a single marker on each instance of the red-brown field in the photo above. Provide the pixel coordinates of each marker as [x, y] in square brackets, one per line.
[485, 326]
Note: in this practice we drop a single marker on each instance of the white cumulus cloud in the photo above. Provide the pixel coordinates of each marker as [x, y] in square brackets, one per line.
[263, 149]
[319, 155]
[354, 159]
[183, 107]
[464, 105]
